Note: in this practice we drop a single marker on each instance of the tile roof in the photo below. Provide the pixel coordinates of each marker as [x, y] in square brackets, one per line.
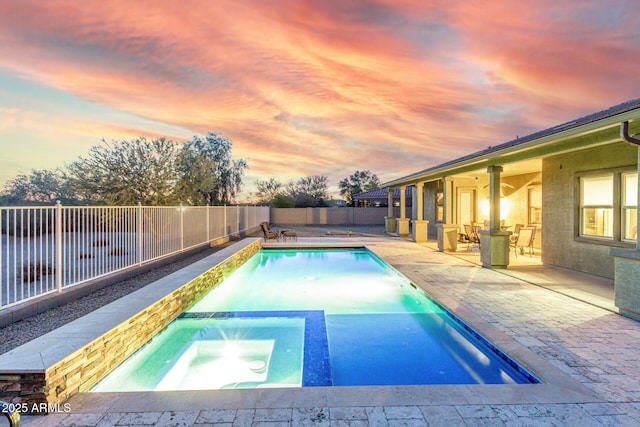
[381, 193]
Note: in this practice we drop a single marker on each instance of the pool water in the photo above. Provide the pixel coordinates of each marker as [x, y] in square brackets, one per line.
[291, 318]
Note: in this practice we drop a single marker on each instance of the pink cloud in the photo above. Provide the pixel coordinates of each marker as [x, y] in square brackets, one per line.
[330, 86]
[558, 57]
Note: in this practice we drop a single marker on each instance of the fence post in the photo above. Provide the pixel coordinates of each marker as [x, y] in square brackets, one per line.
[59, 245]
[139, 233]
[238, 219]
[224, 228]
[181, 227]
[208, 233]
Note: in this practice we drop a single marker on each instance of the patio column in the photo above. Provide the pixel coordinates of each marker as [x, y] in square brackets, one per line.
[448, 229]
[403, 222]
[494, 243]
[627, 270]
[494, 197]
[419, 226]
[447, 185]
[390, 220]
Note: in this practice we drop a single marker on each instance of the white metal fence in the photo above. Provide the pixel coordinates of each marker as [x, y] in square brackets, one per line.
[47, 249]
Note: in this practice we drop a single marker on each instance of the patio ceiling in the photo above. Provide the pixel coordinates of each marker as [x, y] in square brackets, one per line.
[510, 169]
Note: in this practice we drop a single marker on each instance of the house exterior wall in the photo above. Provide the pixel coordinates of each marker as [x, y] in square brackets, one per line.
[560, 207]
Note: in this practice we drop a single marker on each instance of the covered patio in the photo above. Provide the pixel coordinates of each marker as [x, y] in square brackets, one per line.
[491, 204]
[568, 194]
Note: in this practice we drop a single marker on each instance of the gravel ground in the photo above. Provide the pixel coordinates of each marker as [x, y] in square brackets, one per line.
[25, 330]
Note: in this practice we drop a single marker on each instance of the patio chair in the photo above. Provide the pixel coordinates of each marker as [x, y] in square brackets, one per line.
[516, 232]
[472, 236]
[525, 240]
[463, 238]
[268, 233]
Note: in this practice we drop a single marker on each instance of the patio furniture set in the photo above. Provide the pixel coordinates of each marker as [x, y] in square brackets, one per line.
[270, 234]
[522, 237]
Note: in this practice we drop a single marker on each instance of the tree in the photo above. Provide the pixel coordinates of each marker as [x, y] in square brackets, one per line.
[151, 172]
[267, 191]
[357, 183]
[197, 181]
[314, 186]
[41, 187]
[227, 172]
[17, 189]
[309, 191]
[127, 172]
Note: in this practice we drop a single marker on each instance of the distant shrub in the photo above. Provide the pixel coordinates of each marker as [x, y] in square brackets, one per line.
[283, 201]
[306, 202]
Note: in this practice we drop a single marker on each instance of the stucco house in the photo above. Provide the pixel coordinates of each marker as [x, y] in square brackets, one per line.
[575, 183]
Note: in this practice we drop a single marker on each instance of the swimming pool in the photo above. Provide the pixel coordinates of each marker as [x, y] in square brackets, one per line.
[291, 318]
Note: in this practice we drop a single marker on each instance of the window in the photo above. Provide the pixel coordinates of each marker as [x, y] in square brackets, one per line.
[440, 206]
[629, 206]
[596, 195]
[608, 206]
[534, 201]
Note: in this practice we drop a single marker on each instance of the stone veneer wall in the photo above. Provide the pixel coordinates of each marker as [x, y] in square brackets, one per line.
[82, 369]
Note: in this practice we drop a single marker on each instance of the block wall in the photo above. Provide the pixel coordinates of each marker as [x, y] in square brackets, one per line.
[328, 216]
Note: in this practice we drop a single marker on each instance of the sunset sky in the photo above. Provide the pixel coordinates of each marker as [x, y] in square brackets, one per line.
[306, 87]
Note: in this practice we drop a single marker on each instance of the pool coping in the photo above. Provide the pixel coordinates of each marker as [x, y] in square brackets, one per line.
[557, 386]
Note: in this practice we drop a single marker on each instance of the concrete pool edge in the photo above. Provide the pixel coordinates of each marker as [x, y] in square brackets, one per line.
[71, 359]
[334, 396]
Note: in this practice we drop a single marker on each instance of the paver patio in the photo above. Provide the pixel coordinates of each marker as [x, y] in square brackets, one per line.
[587, 355]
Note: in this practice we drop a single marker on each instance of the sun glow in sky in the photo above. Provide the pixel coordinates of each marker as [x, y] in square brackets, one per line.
[306, 87]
